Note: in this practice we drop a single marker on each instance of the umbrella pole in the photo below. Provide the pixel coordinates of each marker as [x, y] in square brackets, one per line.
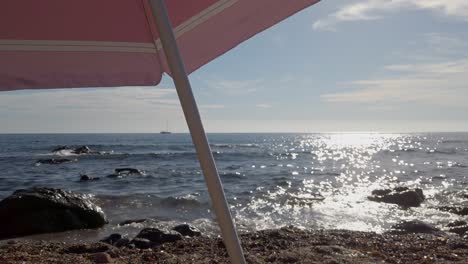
[197, 131]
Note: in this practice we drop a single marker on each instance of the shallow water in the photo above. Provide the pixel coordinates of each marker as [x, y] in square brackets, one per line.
[271, 180]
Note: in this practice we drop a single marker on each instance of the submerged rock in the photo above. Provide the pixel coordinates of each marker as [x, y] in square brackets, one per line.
[60, 148]
[402, 196]
[85, 177]
[122, 172]
[133, 221]
[53, 161]
[82, 150]
[46, 210]
[158, 236]
[187, 230]
[415, 227]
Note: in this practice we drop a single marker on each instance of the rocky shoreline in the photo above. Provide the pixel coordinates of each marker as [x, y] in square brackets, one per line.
[286, 245]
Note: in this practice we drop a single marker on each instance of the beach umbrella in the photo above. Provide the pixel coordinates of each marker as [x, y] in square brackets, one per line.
[106, 43]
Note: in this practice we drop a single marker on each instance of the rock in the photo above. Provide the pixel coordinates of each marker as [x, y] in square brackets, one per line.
[141, 243]
[458, 227]
[402, 196]
[111, 239]
[85, 177]
[82, 150]
[101, 257]
[454, 210]
[158, 236]
[122, 172]
[122, 242]
[53, 161]
[59, 148]
[415, 227]
[136, 221]
[45, 210]
[187, 230]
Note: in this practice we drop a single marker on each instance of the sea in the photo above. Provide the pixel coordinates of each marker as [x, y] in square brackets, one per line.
[310, 181]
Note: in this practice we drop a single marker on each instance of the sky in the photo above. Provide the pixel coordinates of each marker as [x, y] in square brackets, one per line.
[338, 66]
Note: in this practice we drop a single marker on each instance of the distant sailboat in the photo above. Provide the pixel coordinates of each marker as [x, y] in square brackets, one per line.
[167, 129]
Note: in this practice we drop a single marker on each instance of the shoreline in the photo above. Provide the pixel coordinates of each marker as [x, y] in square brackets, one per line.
[285, 245]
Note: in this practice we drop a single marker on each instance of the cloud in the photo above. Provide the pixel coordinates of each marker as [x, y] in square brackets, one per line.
[444, 83]
[235, 87]
[377, 9]
[89, 99]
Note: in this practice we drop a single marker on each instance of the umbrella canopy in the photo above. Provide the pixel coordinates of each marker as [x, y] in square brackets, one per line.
[66, 43]
[88, 43]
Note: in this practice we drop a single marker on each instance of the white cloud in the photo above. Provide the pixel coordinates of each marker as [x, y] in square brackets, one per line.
[235, 87]
[127, 109]
[444, 83]
[376, 9]
[106, 99]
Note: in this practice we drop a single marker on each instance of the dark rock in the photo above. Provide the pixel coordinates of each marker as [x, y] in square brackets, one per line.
[187, 230]
[128, 222]
[415, 227]
[53, 161]
[82, 150]
[122, 242]
[85, 177]
[45, 210]
[180, 202]
[454, 210]
[402, 196]
[59, 148]
[122, 172]
[101, 257]
[158, 236]
[458, 227]
[111, 239]
[141, 243]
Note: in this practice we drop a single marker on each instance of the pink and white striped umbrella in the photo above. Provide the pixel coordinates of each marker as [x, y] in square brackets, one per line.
[98, 43]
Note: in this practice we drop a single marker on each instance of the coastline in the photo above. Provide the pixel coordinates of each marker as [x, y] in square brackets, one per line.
[285, 245]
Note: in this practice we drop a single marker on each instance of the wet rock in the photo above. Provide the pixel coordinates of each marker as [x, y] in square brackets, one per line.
[122, 242]
[82, 150]
[85, 177]
[46, 210]
[180, 202]
[53, 161]
[111, 239]
[141, 243]
[415, 227]
[402, 196]
[458, 227]
[454, 210]
[158, 236]
[123, 172]
[187, 230]
[60, 148]
[132, 221]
